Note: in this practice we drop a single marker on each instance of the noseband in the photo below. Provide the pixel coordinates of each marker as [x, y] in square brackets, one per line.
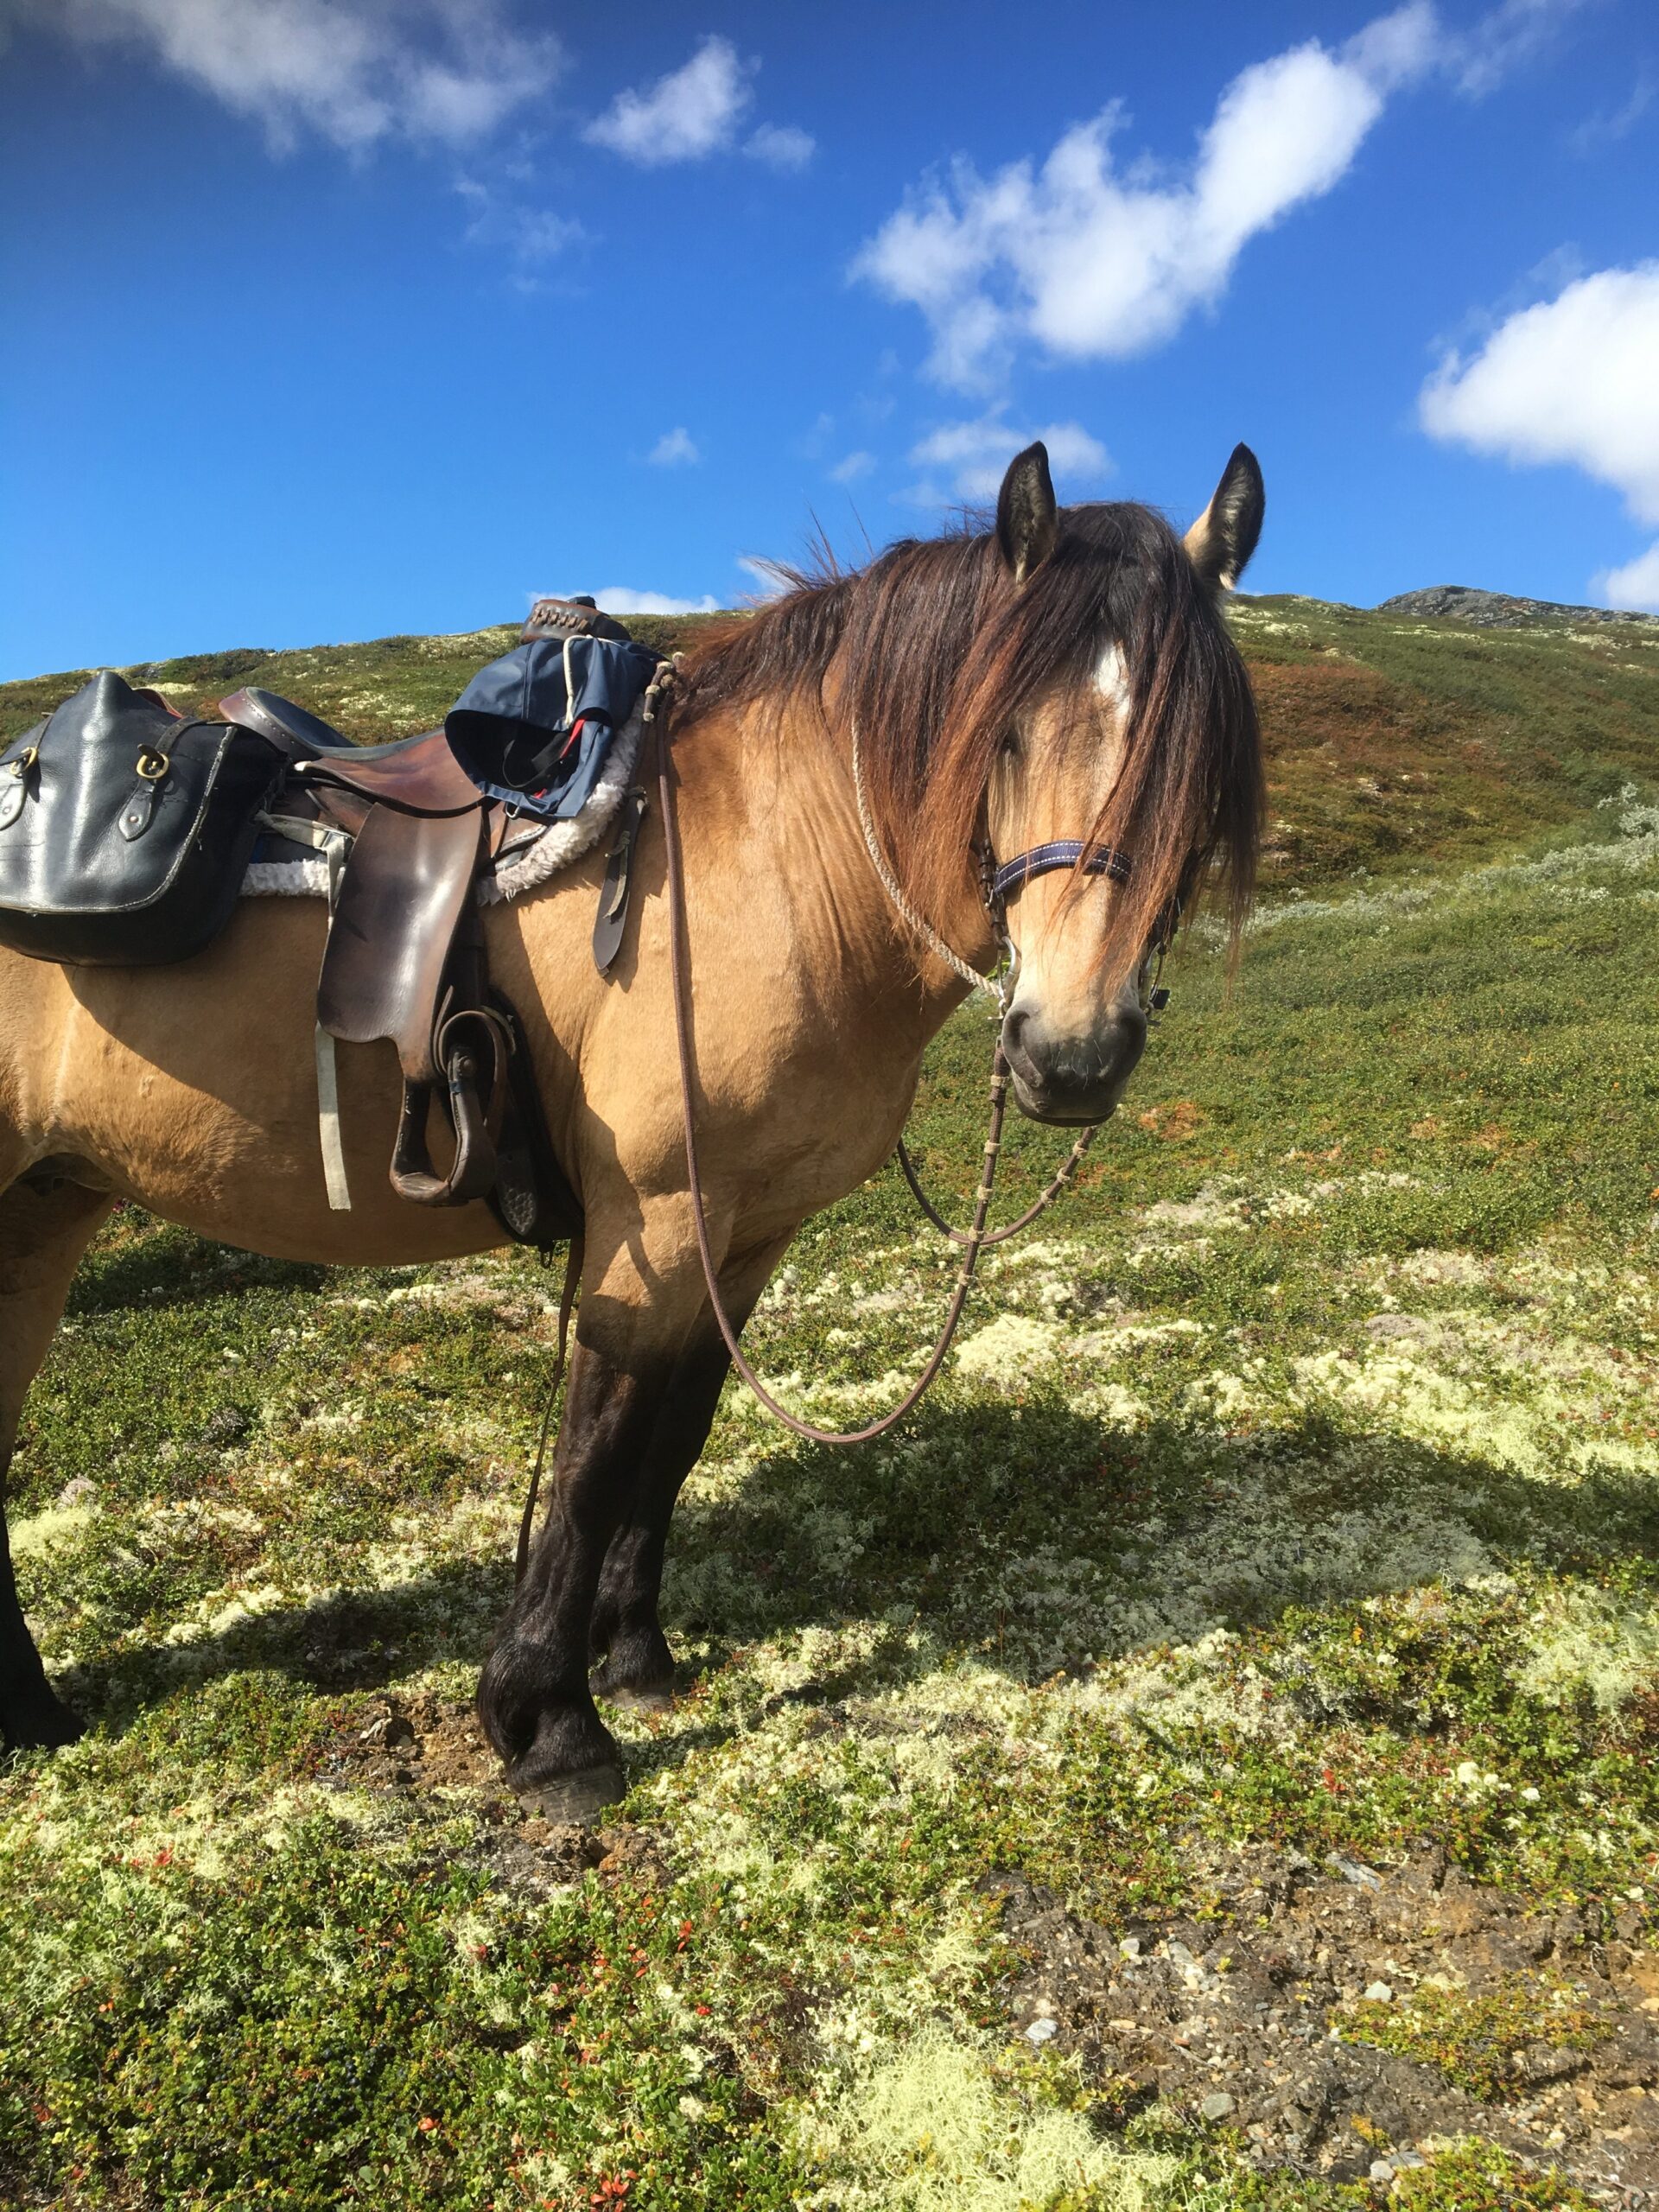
[1000, 883]
[997, 884]
[1059, 852]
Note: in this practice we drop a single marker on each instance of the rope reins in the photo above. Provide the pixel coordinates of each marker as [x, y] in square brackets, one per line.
[973, 1241]
[1100, 861]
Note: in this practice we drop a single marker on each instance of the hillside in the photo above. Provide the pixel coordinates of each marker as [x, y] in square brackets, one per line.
[1393, 740]
[1207, 1760]
[1502, 610]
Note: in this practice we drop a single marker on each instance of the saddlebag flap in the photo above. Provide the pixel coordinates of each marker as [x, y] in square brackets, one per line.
[124, 832]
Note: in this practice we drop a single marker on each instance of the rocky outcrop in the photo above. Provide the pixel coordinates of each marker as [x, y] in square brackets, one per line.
[1497, 610]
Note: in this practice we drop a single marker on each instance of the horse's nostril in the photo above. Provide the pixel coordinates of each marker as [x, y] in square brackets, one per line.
[1071, 1076]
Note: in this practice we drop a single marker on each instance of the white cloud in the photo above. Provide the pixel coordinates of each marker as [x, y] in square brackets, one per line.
[854, 466]
[621, 599]
[769, 581]
[1608, 126]
[674, 450]
[1572, 381]
[1092, 260]
[781, 146]
[690, 113]
[1504, 41]
[353, 70]
[1635, 585]
[529, 236]
[1093, 263]
[976, 454]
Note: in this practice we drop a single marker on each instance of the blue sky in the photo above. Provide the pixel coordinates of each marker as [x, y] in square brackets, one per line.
[332, 318]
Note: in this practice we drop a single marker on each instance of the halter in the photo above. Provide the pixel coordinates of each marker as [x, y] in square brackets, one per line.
[1060, 852]
[998, 884]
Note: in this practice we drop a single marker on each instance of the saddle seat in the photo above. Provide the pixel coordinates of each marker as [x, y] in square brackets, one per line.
[417, 775]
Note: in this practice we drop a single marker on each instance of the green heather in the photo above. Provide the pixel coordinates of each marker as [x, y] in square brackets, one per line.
[1297, 1482]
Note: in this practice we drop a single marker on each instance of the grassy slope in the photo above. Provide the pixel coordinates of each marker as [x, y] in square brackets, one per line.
[1392, 742]
[1335, 1382]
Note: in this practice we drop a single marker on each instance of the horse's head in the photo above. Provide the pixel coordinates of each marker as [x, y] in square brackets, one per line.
[1128, 764]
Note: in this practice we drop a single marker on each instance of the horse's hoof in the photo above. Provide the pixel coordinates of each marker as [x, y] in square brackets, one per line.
[572, 1799]
[650, 1697]
[44, 1727]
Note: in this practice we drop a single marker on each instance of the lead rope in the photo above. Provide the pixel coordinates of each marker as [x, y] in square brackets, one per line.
[973, 1241]
[996, 983]
[1069, 1167]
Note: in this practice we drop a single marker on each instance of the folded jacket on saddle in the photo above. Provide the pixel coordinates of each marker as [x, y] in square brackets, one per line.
[533, 728]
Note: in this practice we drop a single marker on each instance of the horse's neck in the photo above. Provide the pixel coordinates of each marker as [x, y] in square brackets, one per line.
[777, 816]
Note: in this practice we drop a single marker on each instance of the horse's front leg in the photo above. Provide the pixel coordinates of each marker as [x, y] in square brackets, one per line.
[45, 1226]
[642, 1290]
[533, 1696]
[638, 1668]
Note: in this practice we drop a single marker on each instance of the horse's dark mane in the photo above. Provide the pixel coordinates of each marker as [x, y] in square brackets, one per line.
[937, 653]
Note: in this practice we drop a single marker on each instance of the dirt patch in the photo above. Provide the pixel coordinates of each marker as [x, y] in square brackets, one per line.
[1286, 2014]
[431, 1752]
[1175, 1120]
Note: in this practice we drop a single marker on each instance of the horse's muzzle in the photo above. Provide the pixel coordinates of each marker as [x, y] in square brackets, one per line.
[1059, 1077]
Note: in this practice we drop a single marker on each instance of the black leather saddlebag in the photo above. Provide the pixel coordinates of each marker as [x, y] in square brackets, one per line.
[124, 832]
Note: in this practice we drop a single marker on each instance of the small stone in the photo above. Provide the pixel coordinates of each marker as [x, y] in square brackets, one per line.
[1130, 1947]
[1216, 2106]
[1352, 1870]
[1378, 1993]
[1382, 2170]
[1040, 2030]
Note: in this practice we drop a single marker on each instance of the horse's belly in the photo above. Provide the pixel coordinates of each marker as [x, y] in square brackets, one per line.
[193, 1089]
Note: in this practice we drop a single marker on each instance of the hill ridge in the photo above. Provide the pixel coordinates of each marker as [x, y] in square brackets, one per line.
[1501, 610]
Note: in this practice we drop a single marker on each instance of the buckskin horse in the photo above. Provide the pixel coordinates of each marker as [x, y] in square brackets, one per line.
[1060, 684]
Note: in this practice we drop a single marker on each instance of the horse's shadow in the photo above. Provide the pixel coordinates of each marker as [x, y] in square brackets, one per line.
[1032, 1540]
[174, 1266]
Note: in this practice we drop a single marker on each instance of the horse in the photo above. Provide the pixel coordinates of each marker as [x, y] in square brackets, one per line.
[1060, 674]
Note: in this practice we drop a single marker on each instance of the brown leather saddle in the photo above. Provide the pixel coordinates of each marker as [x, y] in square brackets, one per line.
[407, 834]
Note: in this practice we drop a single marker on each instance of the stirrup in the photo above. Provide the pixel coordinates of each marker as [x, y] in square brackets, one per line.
[476, 1127]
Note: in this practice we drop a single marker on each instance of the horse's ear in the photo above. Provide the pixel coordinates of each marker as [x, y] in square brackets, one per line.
[1027, 520]
[1223, 537]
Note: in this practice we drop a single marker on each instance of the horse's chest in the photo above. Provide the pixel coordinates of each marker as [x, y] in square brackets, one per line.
[819, 1138]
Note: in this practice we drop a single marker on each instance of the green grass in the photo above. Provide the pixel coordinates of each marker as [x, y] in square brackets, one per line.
[1297, 1485]
[1475, 2040]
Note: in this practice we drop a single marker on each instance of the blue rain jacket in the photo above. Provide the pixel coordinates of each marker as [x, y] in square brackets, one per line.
[533, 728]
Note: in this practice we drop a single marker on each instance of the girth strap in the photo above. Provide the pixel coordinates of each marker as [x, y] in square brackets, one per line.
[1060, 852]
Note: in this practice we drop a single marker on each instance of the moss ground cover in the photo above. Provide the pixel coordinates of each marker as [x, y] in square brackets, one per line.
[1290, 1507]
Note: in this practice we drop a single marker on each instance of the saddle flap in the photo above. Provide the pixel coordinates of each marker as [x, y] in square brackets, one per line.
[406, 888]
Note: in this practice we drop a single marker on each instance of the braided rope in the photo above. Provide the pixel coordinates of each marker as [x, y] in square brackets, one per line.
[936, 944]
[973, 1242]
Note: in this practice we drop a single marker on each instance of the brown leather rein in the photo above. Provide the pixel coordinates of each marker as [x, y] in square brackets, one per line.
[973, 1240]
